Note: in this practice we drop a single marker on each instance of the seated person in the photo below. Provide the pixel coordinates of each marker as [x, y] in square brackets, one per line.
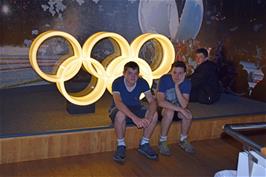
[205, 83]
[127, 109]
[259, 91]
[173, 96]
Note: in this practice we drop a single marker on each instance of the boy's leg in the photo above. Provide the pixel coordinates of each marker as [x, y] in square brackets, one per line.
[166, 121]
[186, 122]
[165, 125]
[185, 127]
[120, 124]
[147, 132]
[119, 120]
[144, 147]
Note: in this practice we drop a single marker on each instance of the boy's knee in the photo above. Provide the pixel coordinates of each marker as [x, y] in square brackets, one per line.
[187, 116]
[190, 117]
[168, 114]
[120, 117]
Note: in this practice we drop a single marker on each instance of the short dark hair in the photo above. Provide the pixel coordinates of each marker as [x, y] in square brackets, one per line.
[179, 64]
[132, 65]
[203, 51]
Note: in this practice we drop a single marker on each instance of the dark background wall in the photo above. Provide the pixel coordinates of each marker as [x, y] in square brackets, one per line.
[240, 23]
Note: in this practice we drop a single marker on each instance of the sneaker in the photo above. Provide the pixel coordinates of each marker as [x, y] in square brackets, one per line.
[164, 149]
[146, 150]
[120, 154]
[186, 146]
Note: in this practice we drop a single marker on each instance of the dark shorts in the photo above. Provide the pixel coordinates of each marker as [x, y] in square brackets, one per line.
[175, 118]
[139, 111]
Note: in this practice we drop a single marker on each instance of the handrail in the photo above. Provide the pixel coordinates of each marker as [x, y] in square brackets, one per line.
[232, 130]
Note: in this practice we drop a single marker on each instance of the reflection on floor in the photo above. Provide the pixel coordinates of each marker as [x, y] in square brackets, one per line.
[38, 110]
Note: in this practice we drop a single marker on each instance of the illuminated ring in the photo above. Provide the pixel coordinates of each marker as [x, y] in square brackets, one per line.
[168, 52]
[75, 60]
[100, 73]
[114, 68]
[92, 41]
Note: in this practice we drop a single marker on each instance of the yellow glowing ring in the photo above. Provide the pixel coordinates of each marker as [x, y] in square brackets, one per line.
[168, 52]
[75, 58]
[91, 42]
[114, 68]
[94, 95]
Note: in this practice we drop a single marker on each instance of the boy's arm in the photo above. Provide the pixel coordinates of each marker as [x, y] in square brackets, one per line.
[123, 108]
[152, 105]
[183, 98]
[165, 104]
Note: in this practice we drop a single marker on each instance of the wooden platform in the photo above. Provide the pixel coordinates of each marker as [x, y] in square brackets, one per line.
[34, 124]
[27, 148]
[42, 110]
[211, 156]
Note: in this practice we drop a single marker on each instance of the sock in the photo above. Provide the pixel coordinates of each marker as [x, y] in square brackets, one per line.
[121, 142]
[144, 140]
[183, 137]
[163, 138]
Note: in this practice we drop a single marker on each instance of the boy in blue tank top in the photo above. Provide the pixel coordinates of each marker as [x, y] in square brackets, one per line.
[127, 109]
[173, 96]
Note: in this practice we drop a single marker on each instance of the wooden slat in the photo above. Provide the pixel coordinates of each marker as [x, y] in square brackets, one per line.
[69, 144]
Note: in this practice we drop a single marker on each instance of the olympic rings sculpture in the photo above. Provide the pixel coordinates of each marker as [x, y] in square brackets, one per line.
[105, 74]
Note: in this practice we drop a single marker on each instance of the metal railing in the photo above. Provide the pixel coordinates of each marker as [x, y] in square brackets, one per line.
[233, 130]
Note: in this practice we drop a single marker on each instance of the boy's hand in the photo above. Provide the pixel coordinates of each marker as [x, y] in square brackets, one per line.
[146, 122]
[185, 112]
[138, 122]
[180, 81]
